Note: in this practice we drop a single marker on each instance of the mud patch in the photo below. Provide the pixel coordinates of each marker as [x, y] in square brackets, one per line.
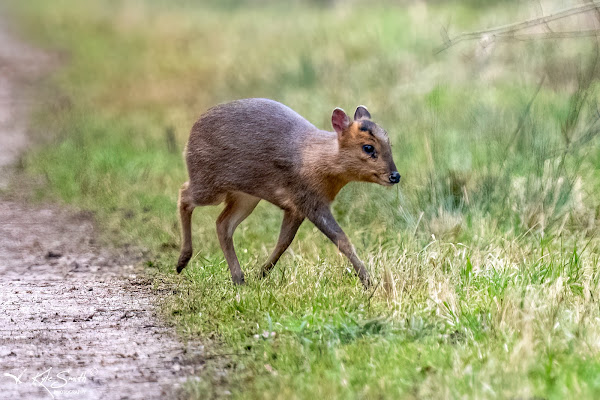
[77, 321]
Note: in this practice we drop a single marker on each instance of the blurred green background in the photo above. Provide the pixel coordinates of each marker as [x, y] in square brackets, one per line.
[486, 255]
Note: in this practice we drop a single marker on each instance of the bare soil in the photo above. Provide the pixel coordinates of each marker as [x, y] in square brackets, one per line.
[77, 321]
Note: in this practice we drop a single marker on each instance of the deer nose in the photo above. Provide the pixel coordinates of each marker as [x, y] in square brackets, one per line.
[395, 177]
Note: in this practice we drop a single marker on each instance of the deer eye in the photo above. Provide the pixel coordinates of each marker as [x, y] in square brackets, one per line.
[370, 150]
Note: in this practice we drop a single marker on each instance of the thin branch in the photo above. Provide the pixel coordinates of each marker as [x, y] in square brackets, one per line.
[579, 98]
[505, 30]
[597, 10]
[523, 118]
[589, 134]
[550, 35]
[543, 12]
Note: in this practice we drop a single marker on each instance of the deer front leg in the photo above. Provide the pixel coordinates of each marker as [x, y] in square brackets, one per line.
[324, 220]
[289, 226]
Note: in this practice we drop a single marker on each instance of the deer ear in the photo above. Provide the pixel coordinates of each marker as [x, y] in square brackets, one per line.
[339, 120]
[361, 113]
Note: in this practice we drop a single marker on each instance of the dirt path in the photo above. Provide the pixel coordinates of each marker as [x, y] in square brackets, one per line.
[76, 321]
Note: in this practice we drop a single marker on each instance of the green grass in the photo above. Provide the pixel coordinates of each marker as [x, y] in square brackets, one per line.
[485, 258]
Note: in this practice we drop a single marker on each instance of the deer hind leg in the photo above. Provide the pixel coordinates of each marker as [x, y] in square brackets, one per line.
[237, 207]
[289, 226]
[186, 207]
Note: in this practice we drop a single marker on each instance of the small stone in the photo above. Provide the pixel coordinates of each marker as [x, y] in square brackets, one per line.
[53, 254]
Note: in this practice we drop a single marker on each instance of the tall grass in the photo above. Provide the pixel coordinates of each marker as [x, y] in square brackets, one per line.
[485, 259]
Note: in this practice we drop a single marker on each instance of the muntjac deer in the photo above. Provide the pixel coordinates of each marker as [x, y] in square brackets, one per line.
[253, 149]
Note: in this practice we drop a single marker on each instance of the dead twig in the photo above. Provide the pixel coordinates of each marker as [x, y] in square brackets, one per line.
[550, 35]
[597, 11]
[509, 31]
[523, 118]
[548, 29]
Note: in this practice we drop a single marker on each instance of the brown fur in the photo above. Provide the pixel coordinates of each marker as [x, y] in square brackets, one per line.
[253, 149]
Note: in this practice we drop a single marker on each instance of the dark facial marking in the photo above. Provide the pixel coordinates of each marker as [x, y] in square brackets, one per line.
[367, 126]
